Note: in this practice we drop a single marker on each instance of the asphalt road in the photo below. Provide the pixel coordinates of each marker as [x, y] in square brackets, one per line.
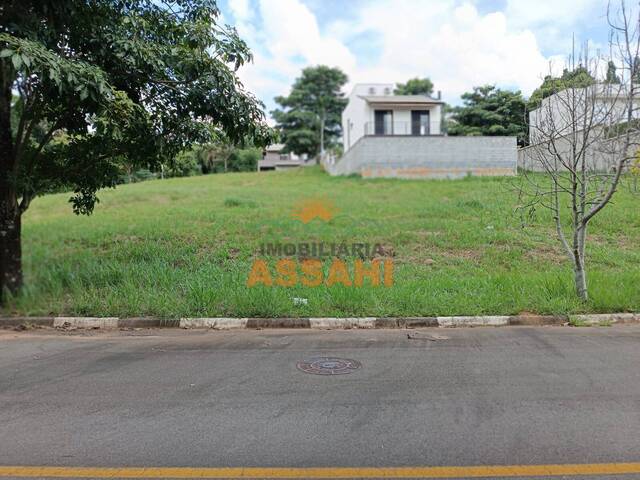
[459, 397]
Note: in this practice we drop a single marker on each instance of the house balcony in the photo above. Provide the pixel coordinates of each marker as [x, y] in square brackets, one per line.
[402, 128]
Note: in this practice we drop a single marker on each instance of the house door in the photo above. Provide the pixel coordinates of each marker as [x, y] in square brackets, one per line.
[420, 122]
[384, 122]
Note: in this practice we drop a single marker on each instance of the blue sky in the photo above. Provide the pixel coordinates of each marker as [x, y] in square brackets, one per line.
[458, 44]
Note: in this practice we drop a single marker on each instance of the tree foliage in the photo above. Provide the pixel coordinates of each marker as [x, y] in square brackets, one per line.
[309, 119]
[576, 78]
[490, 111]
[611, 77]
[125, 82]
[214, 158]
[415, 86]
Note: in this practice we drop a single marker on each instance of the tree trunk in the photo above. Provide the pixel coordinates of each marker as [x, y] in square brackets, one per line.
[321, 159]
[10, 253]
[580, 273]
[581, 283]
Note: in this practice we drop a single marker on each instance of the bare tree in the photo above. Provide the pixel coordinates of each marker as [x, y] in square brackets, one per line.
[583, 141]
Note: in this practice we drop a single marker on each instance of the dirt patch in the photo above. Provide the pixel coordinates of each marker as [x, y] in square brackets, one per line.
[423, 255]
[385, 251]
[421, 234]
[464, 254]
[128, 238]
[549, 253]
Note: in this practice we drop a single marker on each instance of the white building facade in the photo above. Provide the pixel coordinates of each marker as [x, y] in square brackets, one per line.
[373, 110]
[558, 123]
[570, 110]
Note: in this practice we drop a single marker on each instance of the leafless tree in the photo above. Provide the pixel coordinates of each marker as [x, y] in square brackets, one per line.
[584, 140]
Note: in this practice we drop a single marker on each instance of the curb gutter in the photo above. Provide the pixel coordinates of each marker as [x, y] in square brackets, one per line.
[220, 323]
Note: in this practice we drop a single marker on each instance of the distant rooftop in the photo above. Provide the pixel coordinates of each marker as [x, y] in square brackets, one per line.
[275, 147]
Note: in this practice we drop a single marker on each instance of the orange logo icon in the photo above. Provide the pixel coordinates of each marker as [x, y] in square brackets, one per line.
[310, 209]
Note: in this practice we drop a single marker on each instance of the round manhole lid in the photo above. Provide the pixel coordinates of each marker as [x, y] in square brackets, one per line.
[328, 366]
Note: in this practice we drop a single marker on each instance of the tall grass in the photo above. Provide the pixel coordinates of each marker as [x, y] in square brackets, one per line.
[184, 247]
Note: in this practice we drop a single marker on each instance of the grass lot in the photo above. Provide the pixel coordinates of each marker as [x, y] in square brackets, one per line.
[184, 247]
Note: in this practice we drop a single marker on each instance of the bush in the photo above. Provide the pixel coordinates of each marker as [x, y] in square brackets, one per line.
[185, 164]
[241, 160]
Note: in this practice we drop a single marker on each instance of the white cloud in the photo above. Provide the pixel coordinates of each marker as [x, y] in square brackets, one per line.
[556, 21]
[286, 39]
[241, 9]
[450, 41]
[453, 44]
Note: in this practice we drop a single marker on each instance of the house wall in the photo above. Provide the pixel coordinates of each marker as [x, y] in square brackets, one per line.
[357, 112]
[569, 109]
[402, 119]
[428, 157]
[600, 156]
[272, 159]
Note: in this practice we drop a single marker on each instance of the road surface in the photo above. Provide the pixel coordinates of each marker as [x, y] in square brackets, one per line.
[200, 401]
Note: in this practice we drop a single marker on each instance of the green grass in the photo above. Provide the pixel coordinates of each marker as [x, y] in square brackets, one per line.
[184, 247]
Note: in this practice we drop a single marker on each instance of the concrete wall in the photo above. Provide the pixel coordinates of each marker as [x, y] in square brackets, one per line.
[428, 157]
[600, 156]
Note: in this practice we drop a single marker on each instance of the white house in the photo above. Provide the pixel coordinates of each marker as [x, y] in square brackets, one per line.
[569, 109]
[373, 109]
[602, 107]
[401, 136]
[274, 158]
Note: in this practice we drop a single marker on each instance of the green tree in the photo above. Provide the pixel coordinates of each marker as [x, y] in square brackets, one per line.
[214, 156]
[415, 86]
[309, 119]
[490, 111]
[128, 82]
[577, 78]
[611, 77]
[635, 69]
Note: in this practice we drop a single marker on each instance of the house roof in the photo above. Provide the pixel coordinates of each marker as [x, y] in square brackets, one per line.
[402, 99]
[275, 147]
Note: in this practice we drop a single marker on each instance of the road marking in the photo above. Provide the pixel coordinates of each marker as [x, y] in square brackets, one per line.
[487, 471]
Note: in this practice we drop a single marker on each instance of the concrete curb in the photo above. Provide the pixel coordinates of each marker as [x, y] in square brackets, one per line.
[222, 323]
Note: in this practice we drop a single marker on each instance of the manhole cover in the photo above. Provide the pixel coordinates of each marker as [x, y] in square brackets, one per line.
[328, 366]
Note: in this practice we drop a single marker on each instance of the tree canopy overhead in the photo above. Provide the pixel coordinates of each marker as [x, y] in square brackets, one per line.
[309, 119]
[105, 82]
[490, 111]
[415, 86]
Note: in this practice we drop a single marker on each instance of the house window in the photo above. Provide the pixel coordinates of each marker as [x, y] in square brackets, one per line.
[284, 156]
[419, 122]
[387, 91]
[383, 122]
[372, 91]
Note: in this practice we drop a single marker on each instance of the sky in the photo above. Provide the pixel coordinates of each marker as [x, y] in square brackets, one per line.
[459, 44]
